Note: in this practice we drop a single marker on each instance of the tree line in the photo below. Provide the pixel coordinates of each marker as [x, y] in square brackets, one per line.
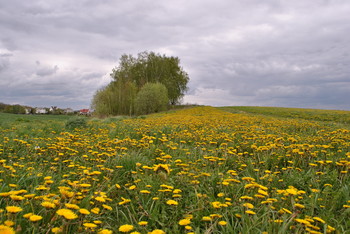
[144, 84]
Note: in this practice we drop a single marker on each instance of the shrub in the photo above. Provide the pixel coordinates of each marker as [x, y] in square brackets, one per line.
[76, 123]
[153, 97]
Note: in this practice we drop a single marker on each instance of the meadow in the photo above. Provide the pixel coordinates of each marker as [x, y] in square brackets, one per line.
[196, 170]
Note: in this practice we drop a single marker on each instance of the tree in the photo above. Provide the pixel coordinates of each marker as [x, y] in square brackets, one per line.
[151, 67]
[153, 97]
[118, 97]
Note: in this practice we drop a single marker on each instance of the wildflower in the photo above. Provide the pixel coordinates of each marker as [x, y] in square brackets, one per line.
[84, 211]
[206, 218]
[95, 210]
[72, 206]
[184, 222]
[48, 205]
[126, 228]
[56, 230]
[68, 214]
[105, 231]
[6, 229]
[27, 215]
[35, 218]
[90, 225]
[250, 212]
[100, 199]
[143, 223]
[299, 205]
[172, 202]
[161, 167]
[248, 205]
[319, 219]
[157, 231]
[9, 223]
[222, 223]
[13, 209]
[124, 201]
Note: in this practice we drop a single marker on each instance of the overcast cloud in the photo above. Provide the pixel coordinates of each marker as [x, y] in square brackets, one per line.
[251, 52]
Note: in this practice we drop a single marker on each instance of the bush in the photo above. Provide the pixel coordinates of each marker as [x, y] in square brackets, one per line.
[76, 123]
[153, 97]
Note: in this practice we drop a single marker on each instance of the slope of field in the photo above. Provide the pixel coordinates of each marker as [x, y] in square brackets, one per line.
[337, 116]
[198, 170]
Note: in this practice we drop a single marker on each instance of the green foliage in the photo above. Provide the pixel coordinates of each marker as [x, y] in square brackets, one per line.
[118, 98]
[153, 97]
[15, 109]
[74, 123]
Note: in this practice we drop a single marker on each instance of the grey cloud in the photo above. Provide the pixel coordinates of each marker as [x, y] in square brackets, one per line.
[287, 53]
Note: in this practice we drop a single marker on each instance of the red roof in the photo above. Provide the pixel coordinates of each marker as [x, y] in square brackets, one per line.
[84, 111]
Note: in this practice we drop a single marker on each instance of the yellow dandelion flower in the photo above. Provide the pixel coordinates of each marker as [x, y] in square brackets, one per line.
[68, 214]
[206, 218]
[48, 205]
[319, 219]
[248, 205]
[172, 203]
[35, 218]
[184, 222]
[126, 228]
[9, 223]
[157, 231]
[84, 211]
[6, 229]
[90, 225]
[72, 206]
[107, 207]
[13, 209]
[95, 210]
[143, 223]
[250, 212]
[222, 223]
[56, 230]
[105, 231]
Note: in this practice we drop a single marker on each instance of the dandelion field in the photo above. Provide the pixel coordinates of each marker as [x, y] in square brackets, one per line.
[196, 170]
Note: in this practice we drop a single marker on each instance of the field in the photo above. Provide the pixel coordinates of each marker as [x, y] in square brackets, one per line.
[196, 170]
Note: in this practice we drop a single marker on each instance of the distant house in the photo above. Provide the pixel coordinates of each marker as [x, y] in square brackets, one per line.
[84, 112]
[68, 111]
[40, 110]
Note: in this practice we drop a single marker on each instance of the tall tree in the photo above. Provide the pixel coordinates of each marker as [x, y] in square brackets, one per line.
[152, 67]
[132, 74]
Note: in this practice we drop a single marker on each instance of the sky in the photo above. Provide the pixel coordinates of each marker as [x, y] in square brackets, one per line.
[247, 53]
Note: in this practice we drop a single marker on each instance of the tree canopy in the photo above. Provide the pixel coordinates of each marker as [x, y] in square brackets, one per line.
[132, 74]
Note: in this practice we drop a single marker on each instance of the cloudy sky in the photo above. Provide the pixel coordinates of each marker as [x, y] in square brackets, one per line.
[252, 52]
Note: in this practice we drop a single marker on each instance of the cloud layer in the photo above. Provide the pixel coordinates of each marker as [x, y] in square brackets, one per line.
[269, 53]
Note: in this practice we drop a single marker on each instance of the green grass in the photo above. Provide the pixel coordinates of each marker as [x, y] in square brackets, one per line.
[335, 116]
[289, 168]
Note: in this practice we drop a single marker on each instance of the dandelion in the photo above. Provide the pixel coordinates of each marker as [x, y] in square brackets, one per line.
[126, 228]
[206, 218]
[172, 203]
[90, 225]
[56, 230]
[9, 223]
[6, 229]
[35, 218]
[222, 223]
[84, 211]
[248, 205]
[184, 222]
[49, 205]
[105, 231]
[13, 209]
[68, 214]
[143, 223]
[250, 212]
[157, 231]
